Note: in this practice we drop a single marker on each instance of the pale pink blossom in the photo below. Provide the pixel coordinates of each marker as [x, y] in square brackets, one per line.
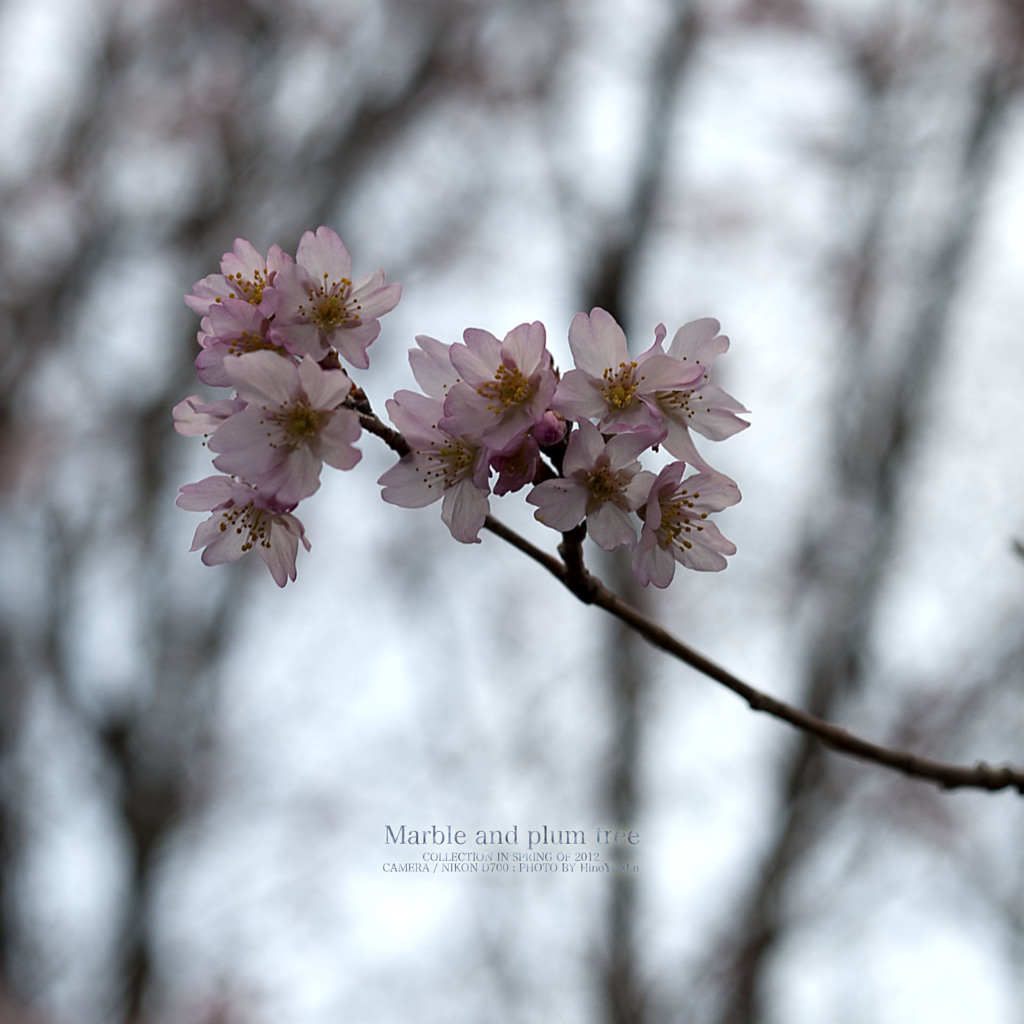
[608, 385]
[317, 305]
[602, 482]
[243, 520]
[440, 466]
[702, 406]
[505, 388]
[233, 328]
[677, 528]
[293, 422]
[244, 275]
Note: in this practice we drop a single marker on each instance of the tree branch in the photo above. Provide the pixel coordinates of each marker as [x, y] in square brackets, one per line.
[589, 589]
[948, 776]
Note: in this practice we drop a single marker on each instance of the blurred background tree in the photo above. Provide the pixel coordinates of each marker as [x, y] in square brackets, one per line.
[196, 770]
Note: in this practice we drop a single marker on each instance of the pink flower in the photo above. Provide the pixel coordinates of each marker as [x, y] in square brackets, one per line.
[549, 429]
[611, 387]
[233, 328]
[602, 482]
[701, 406]
[290, 426]
[317, 304]
[440, 466]
[516, 465]
[244, 275]
[243, 520]
[506, 385]
[677, 528]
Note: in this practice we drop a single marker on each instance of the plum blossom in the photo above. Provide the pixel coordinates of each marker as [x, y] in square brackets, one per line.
[703, 406]
[516, 465]
[676, 525]
[505, 388]
[232, 328]
[275, 328]
[243, 520]
[244, 275]
[316, 304]
[519, 463]
[292, 423]
[440, 466]
[609, 385]
[602, 482]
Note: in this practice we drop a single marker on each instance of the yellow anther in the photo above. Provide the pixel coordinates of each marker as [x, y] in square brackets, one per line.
[619, 387]
[508, 388]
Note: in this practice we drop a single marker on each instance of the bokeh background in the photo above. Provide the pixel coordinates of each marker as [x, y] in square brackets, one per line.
[196, 769]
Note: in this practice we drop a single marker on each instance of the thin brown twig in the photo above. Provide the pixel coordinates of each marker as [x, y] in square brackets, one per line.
[591, 590]
[948, 776]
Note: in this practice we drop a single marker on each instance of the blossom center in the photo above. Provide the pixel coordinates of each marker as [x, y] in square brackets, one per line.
[458, 458]
[677, 401]
[678, 518]
[299, 423]
[508, 388]
[249, 342]
[619, 387]
[449, 463]
[604, 484]
[247, 518]
[250, 289]
[516, 464]
[332, 306]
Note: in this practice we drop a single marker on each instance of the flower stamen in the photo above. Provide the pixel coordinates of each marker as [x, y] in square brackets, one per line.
[508, 388]
[619, 387]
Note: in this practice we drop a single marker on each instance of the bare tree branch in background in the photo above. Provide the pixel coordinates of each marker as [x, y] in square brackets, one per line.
[616, 266]
[848, 555]
[205, 72]
[88, 465]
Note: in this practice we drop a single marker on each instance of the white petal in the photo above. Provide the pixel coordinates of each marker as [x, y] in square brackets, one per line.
[561, 504]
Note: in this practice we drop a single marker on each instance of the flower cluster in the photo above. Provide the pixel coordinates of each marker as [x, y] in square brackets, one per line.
[493, 416]
[273, 329]
[500, 407]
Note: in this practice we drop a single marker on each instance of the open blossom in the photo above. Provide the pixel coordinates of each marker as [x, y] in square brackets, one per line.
[602, 482]
[244, 275]
[494, 418]
[505, 387]
[608, 385]
[677, 527]
[243, 520]
[702, 406]
[290, 426]
[232, 328]
[440, 466]
[316, 304]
